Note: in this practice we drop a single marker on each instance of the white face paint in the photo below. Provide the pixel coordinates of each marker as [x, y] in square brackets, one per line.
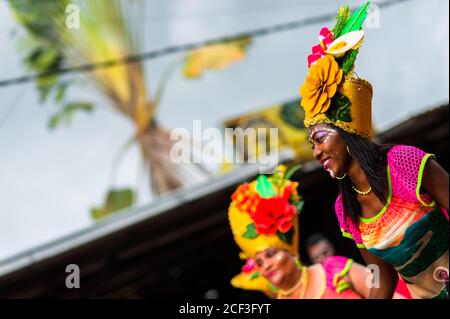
[322, 132]
[320, 128]
[331, 173]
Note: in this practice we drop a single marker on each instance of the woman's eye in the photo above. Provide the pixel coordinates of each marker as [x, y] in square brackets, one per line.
[270, 253]
[320, 137]
[259, 262]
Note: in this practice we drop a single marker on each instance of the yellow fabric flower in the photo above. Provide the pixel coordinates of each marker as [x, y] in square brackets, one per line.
[320, 86]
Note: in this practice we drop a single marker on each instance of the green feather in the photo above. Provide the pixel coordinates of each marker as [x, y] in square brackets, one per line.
[356, 20]
[264, 187]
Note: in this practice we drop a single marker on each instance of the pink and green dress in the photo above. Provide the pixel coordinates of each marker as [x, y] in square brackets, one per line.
[411, 231]
[336, 286]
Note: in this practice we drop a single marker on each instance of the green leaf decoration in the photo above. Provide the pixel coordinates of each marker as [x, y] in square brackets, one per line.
[264, 187]
[348, 60]
[251, 232]
[115, 200]
[341, 20]
[66, 114]
[356, 20]
[291, 171]
[340, 109]
[286, 237]
[299, 206]
[254, 275]
[272, 288]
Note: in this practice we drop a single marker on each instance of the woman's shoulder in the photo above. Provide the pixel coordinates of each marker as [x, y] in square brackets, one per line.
[336, 263]
[339, 208]
[336, 269]
[407, 162]
[403, 154]
[406, 165]
[316, 282]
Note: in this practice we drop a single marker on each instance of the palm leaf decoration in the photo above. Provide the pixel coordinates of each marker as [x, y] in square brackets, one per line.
[110, 31]
[341, 20]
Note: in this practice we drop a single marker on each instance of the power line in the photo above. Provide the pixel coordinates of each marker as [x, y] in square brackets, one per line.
[182, 48]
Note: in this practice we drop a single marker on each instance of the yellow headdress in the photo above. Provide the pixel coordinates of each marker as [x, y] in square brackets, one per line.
[263, 214]
[331, 92]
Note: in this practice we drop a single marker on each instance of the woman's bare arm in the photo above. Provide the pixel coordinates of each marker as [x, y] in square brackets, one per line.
[435, 182]
[358, 279]
[387, 275]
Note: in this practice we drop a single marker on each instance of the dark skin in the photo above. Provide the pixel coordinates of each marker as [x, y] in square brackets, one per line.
[330, 149]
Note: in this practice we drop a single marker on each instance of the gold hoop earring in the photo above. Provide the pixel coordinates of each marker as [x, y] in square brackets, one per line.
[341, 177]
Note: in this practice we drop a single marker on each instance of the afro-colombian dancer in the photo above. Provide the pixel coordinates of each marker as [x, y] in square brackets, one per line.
[393, 199]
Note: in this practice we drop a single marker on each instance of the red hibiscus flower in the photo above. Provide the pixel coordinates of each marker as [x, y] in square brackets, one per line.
[326, 38]
[273, 214]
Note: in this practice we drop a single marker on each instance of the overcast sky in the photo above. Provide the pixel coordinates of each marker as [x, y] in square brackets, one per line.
[50, 180]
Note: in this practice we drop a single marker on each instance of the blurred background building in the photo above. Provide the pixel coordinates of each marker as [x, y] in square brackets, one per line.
[85, 175]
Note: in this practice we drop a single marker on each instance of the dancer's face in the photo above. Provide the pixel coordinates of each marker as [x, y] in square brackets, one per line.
[329, 148]
[275, 265]
[320, 251]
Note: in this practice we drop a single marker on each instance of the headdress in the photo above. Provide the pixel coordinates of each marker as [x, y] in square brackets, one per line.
[332, 93]
[263, 214]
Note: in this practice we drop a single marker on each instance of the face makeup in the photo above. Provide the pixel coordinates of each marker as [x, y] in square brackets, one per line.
[322, 133]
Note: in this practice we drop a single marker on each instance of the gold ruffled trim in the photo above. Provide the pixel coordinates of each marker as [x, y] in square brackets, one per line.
[322, 118]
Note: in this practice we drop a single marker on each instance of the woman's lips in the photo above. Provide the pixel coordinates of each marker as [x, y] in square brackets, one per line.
[271, 273]
[326, 163]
